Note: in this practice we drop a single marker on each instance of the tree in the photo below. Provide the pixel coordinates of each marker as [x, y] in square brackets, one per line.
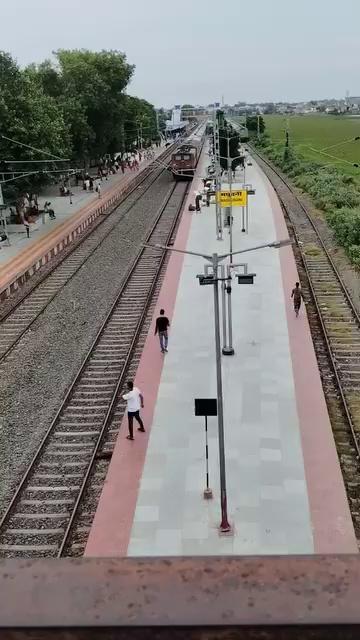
[74, 107]
[47, 76]
[163, 116]
[252, 123]
[229, 140]
[29, 116]
[50, 81]
[97, 80]
[140, 120]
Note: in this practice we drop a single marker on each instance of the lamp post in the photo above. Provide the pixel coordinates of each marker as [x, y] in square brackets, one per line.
[219, 228]
[228, 349]
[229, 160]
[214, 261]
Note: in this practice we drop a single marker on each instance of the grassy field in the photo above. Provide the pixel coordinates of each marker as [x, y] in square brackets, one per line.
[312, 134]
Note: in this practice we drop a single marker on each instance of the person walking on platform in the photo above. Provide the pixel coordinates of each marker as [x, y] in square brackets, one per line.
[27, 227]
[297, 295]
[161, 327]
[198, 199]
[135, 401]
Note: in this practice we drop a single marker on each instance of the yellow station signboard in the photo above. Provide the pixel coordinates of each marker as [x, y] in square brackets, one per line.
[232, 198]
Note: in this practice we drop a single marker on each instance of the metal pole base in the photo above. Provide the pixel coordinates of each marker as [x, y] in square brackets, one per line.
[226, 530]
[208, 494]
[228, 351]
[243, 230]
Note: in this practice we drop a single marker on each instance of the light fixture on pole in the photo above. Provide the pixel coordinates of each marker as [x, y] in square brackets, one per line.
[211, 278]
[228, 349]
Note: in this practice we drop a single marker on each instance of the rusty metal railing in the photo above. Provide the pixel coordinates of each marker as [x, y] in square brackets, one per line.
[227, 598]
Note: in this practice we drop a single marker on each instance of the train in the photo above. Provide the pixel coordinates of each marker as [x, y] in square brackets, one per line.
[185, 158]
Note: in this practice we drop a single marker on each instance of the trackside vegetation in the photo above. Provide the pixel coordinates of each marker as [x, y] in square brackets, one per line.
[332, 189]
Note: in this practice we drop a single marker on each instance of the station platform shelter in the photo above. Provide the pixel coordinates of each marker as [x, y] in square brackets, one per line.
[284, 485]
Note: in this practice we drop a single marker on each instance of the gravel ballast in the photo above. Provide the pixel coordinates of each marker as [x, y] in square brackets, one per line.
[37, 373]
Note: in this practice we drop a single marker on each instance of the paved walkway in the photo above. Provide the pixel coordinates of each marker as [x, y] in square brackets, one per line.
[63, 211]
[285, 490]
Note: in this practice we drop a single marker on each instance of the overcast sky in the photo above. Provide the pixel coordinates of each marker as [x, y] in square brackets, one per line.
[200, 50]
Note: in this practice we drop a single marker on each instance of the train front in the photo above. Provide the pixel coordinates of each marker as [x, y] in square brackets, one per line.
[183, 162]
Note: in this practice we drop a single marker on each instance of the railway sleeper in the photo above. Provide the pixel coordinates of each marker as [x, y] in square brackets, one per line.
[41, 531]
[30, 551]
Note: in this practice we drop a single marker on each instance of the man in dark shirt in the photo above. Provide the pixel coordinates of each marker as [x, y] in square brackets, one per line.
[297, 295]
[162, 324]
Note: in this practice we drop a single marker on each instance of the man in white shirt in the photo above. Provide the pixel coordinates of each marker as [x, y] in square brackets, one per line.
[135, 400]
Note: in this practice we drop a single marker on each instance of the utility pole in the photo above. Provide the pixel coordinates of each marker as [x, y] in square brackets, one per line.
[218, 218]
[229, 165]
[122, 140]
[137, 135]
[157, 123]
[223, 300]
[224, 525]
[228, 350]
[287, 132]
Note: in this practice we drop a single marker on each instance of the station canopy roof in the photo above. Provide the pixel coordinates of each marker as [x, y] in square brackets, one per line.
[175, 126]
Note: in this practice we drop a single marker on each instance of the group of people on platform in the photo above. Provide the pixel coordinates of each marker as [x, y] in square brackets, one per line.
[27, 207]
[27, 210]
[107, 166]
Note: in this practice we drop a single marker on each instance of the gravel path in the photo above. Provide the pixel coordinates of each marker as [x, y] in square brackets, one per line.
[37, 373]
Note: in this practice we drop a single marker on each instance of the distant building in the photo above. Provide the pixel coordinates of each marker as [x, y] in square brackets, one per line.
[175, 125]
[353, 103]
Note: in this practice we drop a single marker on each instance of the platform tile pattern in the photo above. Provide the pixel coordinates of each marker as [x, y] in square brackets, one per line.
[267, 495]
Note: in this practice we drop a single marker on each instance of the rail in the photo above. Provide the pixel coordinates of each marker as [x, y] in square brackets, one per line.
[347, 399]
[12, 333]
[102, 421]
[313, 224]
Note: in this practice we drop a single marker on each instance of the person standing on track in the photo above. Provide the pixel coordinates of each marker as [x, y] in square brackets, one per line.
[297, 295]
[135, 401]
[161, 327]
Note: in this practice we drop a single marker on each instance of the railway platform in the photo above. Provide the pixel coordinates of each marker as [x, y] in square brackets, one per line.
[25, 255]
[285, 490]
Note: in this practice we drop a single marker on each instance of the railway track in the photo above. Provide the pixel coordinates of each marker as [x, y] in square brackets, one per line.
[42, 514]
[335, 328]
[19, 318]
